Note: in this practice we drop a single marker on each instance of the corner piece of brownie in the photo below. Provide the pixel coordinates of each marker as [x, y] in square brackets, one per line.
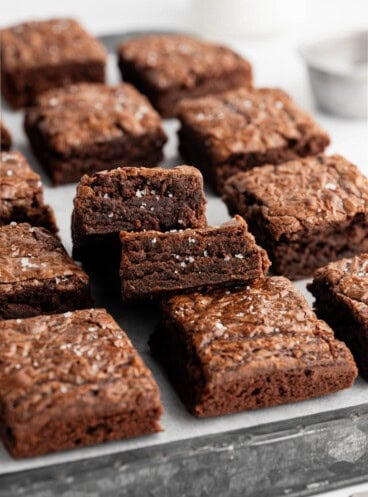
[134, 199]
[305, 213]
[89, 127]
[240, 129]
[341, 292]
[71, 380]
[157, 264]
[5, 138]
[260, 346]
[36, 274]
[39, 55]
[169, 68]
[21, 194]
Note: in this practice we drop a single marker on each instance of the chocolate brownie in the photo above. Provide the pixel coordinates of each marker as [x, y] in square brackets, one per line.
[21, 193]
[341, 292]
[71, 380]
[39, 55]
[259, 346]
[238, 130]
[134, 199]
[169, 68]
[36, 274]
[89, 127]
[155, 264]
[305, 213]
[5, 138]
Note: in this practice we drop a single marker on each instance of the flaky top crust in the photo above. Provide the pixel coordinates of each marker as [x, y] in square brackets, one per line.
[247, 121]
[77, 364]
[347, 279]
[90, 114]
[48, 43]
[17, 179]
[266, 326]
[302, 194]
[179, 61]
[33, 254]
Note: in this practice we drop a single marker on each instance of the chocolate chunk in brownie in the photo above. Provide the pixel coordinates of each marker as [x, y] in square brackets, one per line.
[71, 380]
[260, 346]
[134, 199]
[36, 274]
[169, 68]
[21, 193]
[305, 213]
[238, 130]
[90, 127]
[5, 137]
[158, 264]
[39, 55]
[341, 292]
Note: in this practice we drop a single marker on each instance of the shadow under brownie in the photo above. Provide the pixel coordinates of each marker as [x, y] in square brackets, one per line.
[5, 138]
[71, 380]
[89, 127]
[230, 351]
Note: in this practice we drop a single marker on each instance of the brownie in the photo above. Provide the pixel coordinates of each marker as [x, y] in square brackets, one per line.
[305, 213]
[39, 55]
[255, 347]
[341, 292]
[90, 127]
[169, 68]
[5, 138]
[156, 264]
[21, 193]
[240, 129]
[134, 199]
[71, 380]
[36, 274]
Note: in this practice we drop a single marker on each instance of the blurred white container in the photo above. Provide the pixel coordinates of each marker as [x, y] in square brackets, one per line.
[237, 19]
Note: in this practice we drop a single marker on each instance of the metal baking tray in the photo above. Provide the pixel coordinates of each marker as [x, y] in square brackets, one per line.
[297, 449]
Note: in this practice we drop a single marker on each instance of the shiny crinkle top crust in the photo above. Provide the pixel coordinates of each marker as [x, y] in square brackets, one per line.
[302, 194]
[172, 61]
[91, 113]
[33, 254]
[79, 360]
[17, 180]
[247, 121]
[267, 324]
[48, 43]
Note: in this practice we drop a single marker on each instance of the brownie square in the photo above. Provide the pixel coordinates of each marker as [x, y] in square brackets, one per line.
[305, 213]
[260, 346]
[341, 292]
[36, 274]
[71, 380]
[134, 199]
[21, 194]
[240, 129]
[169, 68]
[5, 138]
[39, 55]
[89, 127]
[155, 264]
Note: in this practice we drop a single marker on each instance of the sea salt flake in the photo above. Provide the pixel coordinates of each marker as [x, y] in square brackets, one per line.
[240, 315]
[239, 256]
[330, 186]
[140, 193]
[110, 214]
[9, 172]
[154, 241]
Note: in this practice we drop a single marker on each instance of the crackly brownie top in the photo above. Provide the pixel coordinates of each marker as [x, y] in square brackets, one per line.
[74, 364]
[348, 280]
[30, 254]
[301, 194]
[267, 325]
[171, 61]
[17, 180]
[247, 121]
[91, 113]
[48, 43]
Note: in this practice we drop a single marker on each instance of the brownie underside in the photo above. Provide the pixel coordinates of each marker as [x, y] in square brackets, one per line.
[193, 149]
[21, 87]
[166, 101]
[261, 389]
